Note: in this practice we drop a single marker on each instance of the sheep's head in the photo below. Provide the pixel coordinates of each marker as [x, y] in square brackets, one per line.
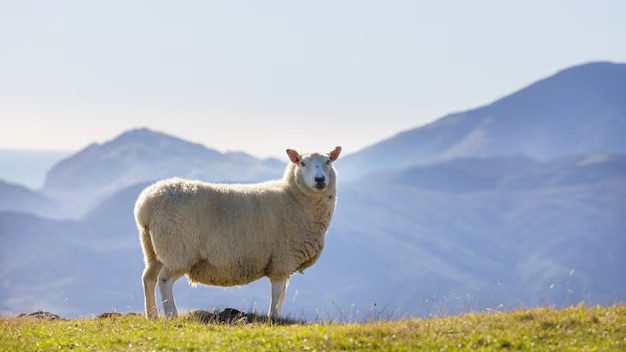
[314, 171]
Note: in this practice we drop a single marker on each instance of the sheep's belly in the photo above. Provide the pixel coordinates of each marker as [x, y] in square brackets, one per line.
[206, 273]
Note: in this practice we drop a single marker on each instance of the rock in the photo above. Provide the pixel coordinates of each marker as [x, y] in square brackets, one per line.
[41, 315]
[109, 315]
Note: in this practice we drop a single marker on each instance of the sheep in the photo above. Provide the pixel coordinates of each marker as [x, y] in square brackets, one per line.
[233, 234]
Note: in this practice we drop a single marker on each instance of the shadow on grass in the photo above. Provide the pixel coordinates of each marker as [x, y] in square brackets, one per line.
[234, 317]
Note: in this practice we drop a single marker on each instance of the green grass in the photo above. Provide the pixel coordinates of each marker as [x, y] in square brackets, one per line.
[544, 329]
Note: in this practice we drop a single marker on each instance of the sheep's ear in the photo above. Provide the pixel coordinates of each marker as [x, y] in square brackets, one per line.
[293, 156]
[335, 153]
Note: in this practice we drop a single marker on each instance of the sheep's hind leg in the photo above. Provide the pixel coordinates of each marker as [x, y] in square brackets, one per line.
[279, 286]
[149, 279]
[166, 284]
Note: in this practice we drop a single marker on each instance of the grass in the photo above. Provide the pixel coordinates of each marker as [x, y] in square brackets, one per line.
[542, 329]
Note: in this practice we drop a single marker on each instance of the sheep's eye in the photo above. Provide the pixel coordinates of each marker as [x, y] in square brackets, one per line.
[302, 163]
[328, 162]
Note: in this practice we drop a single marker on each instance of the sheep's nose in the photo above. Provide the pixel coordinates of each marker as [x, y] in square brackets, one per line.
[320, 180]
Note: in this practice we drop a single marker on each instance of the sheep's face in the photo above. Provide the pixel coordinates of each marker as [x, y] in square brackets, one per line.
[315, 170]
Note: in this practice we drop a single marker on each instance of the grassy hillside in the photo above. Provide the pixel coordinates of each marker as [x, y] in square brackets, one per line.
[544, 329]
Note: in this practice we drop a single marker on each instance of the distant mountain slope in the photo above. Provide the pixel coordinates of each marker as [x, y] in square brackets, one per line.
[510, 173]
[491, 247]
[61, 265]
[115, 214]
[142, 155]
[579, 110]
[19, 198]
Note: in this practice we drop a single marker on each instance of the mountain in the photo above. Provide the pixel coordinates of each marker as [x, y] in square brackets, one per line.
[579, 110]
[142, 155]
[469, 232]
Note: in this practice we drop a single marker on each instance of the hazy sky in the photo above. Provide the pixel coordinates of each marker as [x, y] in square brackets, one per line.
[260, 76]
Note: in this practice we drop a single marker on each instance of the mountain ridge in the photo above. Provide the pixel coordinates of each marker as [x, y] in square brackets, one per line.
[141, 155]
[546, 119]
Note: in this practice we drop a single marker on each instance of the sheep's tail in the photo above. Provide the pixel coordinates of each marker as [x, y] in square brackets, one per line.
[146, 244]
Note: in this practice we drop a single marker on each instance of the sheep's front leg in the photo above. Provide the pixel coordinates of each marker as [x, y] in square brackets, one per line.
[279, 286]
[166, 284]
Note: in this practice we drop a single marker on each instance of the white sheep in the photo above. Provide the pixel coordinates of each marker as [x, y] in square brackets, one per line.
[233, 234]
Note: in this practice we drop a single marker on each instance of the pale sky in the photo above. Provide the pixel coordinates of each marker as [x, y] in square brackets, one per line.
[260, 76]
